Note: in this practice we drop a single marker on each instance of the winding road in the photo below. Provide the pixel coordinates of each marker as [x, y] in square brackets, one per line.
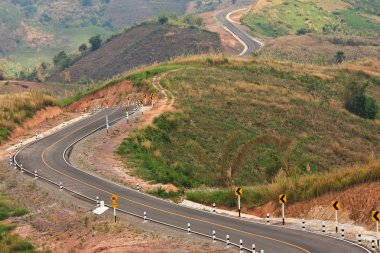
[49, 155]
[250, 44]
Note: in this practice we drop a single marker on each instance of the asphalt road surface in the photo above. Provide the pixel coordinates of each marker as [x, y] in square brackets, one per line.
[47, 157]
[250, 44]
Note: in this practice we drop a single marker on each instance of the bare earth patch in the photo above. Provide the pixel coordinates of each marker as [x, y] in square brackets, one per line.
[315, 49]
[354, 204]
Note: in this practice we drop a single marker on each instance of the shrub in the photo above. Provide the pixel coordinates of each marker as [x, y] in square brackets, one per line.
[340, 57]
[83, 47]
[303, 31]
[19, 211]
[163, 19]
[22, 246]
[4, 213]
[356, 101]
[160, 192]
[4, 133]
[96, 42]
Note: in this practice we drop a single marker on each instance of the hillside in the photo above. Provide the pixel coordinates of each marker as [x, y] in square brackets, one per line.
[314, 31]
[293, 118]
[251, 123]
[141, 45]
[36, 30]
[271, 127]
[340, 17]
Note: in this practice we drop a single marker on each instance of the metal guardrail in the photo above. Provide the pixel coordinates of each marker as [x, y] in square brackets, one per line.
[89, 199]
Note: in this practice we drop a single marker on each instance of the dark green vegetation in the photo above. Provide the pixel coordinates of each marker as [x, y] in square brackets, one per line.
[160, 192]
[11, 243]
[300, 17]
[36, 30]
[143, 44]
[356, 101]
[246, 123]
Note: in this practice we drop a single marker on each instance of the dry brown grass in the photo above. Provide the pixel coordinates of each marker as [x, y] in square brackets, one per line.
[329, 5]
[300, 188]
[262, 4]
[16, 108]
[314, 49]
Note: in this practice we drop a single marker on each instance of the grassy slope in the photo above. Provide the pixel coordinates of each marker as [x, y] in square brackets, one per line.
[287, 17]
[295, 120]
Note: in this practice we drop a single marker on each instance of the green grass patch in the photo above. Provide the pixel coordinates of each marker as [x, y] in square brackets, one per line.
[298, 17]
[162, 193]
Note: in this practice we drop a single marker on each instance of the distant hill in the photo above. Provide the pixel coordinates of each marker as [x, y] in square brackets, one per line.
[36, 29]
[142, 45]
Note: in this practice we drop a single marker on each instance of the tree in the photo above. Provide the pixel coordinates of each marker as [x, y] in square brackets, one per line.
[83, 47]
[39, 74]
[1, 73]
[340, 57]
[303, 31]
[96, 42]
[163, 19]
[67, 76]
[61, 56]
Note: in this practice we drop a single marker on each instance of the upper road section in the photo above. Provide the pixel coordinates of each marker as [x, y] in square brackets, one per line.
[250, 44]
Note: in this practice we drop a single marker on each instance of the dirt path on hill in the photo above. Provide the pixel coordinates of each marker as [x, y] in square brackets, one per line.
[97, 152]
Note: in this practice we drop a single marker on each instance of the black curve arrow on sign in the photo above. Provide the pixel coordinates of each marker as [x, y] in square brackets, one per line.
[238, 191]
[376, 216]
[335, 205]
[283, 198]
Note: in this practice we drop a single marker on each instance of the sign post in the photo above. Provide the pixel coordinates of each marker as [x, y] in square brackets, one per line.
[151, 98]
[127, 112]
[128, 99]
[107, 123]
[282, 200]
[376, 218]
[114, 204]
[336, 206]
[238, 193]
